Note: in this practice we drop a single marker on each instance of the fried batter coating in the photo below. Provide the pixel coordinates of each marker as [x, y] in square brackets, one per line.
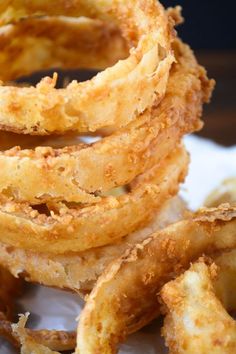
[118, 94]
[197, 320]
[125, 296]
[68, 174]
[71, 229]
[79, 272]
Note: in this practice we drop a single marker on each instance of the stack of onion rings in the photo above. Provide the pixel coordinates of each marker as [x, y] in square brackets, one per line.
[52, 172]
[59, 223]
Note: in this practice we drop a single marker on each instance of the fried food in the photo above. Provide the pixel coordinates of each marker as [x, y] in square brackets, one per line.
[178, 244]
[197, 320]
[68, 174]
[72, 230]
[79, 272]
[61, 222]
[118, 94]
[125, 296]
[225, 193]
[74, 272]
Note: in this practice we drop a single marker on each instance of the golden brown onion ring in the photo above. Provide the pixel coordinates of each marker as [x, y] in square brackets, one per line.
[79, 272]
[118, 94]
[58, 42]
[70, 229]
[68, 174]
[125, 296]
[197, 320]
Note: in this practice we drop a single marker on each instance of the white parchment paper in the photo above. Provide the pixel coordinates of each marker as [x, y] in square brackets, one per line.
[54, 309]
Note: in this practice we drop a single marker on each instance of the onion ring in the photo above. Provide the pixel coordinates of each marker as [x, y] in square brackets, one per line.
[125, 296]
[70, 171]
[72, 230]
[197, 320]
[119, 94]
[79, 272]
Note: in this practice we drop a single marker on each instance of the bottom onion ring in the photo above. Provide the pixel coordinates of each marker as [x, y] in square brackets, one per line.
[79, 272]
[38, 268]
[197, 320]
[48, 271]
[125, 296]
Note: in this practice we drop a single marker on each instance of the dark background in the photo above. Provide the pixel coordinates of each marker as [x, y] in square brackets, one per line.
[210, 28]
[209, 24]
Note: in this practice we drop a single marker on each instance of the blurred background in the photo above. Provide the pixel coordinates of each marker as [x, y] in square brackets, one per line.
[210, 29]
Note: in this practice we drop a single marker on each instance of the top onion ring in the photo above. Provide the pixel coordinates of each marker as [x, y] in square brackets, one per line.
[118, 95]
